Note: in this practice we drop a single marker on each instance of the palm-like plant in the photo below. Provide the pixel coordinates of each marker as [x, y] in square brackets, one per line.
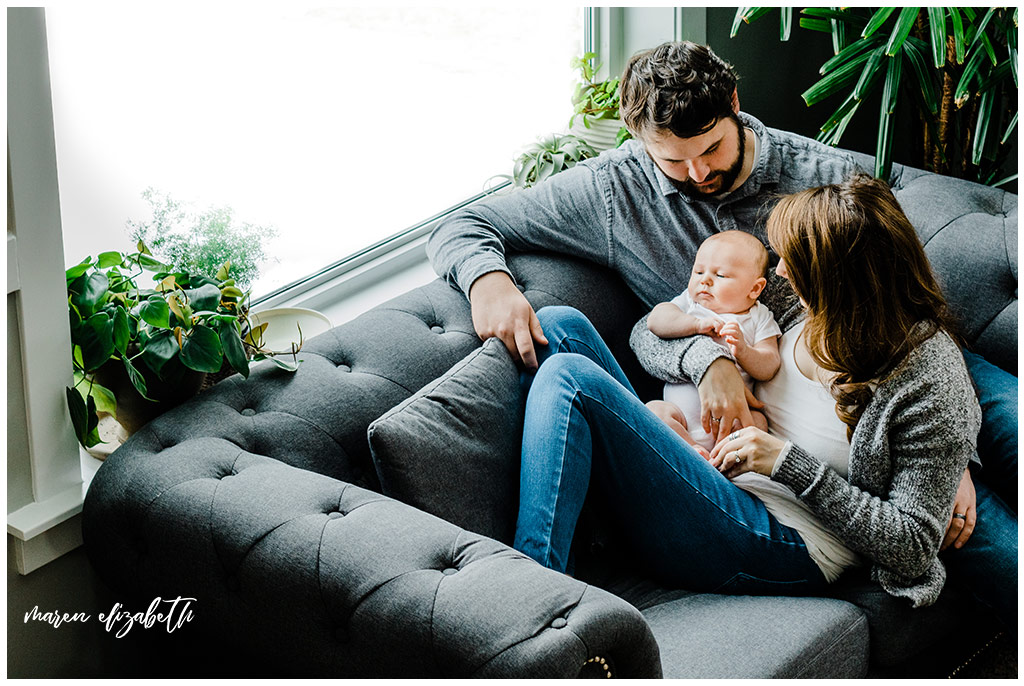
[957, 65]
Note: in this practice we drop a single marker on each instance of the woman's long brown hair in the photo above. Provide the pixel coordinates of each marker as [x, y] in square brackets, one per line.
[855, 259]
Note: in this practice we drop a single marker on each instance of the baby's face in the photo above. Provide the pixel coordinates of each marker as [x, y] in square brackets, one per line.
[725, 277]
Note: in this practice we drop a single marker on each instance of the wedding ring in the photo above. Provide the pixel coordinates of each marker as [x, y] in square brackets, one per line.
[736, 456]
[957, 515]
[716, 419]
[734, 435]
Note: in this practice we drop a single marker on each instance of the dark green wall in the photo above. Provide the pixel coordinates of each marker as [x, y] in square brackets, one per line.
[773, 74]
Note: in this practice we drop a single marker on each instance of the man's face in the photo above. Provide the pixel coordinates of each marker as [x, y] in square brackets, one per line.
[707, 164]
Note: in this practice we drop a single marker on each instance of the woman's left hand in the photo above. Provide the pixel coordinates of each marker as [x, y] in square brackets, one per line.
[747, 450]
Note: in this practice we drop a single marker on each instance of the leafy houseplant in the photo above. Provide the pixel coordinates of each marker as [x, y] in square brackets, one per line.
[595, 100]
[548, 156]
[182, 326]
[957, 66]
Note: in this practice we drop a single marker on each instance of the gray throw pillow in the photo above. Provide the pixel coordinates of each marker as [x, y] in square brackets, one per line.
[452, 449]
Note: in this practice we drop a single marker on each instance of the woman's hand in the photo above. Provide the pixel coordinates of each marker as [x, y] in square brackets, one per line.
[964, 515]
[747, 450]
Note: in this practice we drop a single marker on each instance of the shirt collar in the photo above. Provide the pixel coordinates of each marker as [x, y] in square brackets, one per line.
[767, 167]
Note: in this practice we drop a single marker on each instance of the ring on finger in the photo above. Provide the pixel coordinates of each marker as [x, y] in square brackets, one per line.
[734, 435]
[958, 515]
[737, 457]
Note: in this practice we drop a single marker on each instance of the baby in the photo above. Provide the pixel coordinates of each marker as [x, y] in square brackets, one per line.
[720, 301]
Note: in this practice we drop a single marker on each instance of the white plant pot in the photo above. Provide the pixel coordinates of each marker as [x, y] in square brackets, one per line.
[602, 132]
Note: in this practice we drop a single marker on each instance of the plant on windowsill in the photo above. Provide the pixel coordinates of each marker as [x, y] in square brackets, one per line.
[595, 116]
[956, 66]
[138, 351]
[548, 156]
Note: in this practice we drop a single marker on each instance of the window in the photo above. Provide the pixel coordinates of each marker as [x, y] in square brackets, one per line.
[336, 127]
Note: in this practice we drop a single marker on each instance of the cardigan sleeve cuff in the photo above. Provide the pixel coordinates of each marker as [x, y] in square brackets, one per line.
[796, 469]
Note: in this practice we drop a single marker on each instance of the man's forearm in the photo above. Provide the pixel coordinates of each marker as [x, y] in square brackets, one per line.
[675, 360]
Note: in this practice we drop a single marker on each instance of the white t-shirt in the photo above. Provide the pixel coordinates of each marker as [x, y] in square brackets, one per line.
[756, 324]
[803, 412]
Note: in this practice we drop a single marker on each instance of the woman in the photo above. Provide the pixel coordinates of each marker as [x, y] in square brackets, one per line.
[873, 417]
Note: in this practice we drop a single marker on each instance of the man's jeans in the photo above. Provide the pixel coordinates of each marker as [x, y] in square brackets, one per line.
[687, 523]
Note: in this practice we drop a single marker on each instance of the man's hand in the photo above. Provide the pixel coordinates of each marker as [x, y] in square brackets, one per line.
[964, 516]
[499, 309]
[725, 399]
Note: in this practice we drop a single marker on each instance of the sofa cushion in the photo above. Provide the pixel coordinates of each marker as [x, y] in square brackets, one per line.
[452, 449]
[759, 637]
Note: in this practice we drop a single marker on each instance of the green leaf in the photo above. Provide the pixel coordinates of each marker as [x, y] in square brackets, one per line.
[983, 125]
[122, 330]
[136, 378]
[222, 273]
[97, 341]
[893, 76]
[785, 23]
[904, 24]
[232, 292]
[1010, 128]
[926, 88]
[852, 50]
[835, 81]
[1000, 182]
[109, 259]
[838, 30]
[232, 347]
[937, 24]
[963, 88]
[877, 19]
[960, 46]
[979, 33]
[206, 297]
[748, 15]
[79, 416]
[155, 312]
[834, 15]
[821, 25]
[883, 146]
[72, 273]
[158, 348]
[150, 263]
[840, 114]
[201, 351]
[871, 73]
[104, 399]
[90, 292]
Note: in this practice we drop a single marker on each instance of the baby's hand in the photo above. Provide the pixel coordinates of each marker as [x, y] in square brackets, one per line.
[733, 338]
[709, 325]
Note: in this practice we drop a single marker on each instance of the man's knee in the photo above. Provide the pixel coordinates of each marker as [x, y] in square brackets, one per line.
[562, 319]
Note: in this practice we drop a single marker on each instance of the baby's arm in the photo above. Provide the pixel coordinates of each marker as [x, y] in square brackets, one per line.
[669, 321]
[761, 360]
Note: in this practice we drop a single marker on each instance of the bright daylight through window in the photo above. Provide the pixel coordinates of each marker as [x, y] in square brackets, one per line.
[297, 134]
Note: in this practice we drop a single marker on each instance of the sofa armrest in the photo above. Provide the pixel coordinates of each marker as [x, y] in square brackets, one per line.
[319, 577]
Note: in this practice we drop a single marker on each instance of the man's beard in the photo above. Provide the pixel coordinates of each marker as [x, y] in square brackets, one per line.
[728, 176]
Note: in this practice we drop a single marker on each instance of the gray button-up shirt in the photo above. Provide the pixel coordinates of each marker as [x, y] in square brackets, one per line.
[621, 211]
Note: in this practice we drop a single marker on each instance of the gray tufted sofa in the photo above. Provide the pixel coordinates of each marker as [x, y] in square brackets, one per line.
[259, 499]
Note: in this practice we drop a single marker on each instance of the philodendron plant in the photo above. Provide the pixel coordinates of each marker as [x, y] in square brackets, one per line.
[181, 322]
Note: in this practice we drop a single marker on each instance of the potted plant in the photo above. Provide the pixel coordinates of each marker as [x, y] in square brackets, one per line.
[956, 66]
[595, 116]
[548, 156]
[134, 346]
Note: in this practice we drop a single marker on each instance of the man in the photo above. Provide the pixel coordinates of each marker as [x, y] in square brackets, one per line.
[697, 166]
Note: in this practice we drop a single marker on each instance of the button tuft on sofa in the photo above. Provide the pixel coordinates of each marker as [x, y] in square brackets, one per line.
[335, 515]
[559, 623]
[449, 571]
[248, 412]
[437, 329]
[344, 368]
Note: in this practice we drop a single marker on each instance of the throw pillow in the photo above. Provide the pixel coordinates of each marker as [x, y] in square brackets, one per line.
[452, 449]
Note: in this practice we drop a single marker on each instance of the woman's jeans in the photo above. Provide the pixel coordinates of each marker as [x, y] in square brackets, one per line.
[585, 428]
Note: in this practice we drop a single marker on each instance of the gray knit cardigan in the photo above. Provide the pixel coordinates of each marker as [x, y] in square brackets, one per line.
[907, 455]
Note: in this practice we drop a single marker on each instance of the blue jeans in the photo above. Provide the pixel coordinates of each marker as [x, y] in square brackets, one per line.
[997, 441]
[987, 564]
[585, 428]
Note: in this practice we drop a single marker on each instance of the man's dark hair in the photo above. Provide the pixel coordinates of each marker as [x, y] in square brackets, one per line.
[679, 86]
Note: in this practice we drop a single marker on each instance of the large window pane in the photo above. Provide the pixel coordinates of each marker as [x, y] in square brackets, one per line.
[335, 127]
